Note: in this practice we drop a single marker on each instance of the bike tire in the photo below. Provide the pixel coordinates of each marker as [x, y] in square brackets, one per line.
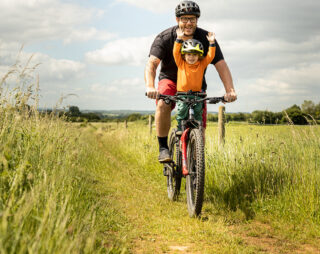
[174, 174]
[196, 167]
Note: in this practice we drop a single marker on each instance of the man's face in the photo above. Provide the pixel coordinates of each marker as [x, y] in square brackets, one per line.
[188, 23]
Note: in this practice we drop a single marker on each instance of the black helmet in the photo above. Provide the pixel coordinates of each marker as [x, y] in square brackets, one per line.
[192, 46]
[187, 8]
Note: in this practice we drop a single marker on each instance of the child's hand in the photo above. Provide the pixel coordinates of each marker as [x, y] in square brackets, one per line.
[211, 37]
[180, 33]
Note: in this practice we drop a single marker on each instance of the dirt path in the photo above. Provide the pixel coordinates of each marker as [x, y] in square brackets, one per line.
[156, 225]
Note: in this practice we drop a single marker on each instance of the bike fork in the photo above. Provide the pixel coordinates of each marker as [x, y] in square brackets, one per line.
[184, 140]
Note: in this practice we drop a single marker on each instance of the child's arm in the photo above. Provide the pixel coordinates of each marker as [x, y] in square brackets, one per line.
[177, 47]
[212, 48]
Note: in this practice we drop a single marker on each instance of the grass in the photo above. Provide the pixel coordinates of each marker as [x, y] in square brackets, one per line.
[49, 201]
[267, 170]
[264, 176]
[98, 188]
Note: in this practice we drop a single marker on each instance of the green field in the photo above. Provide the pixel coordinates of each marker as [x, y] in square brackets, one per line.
[98, 188]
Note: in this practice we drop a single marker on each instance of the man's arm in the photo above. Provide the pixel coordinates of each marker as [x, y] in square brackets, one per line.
[150, 75]
[226, 78]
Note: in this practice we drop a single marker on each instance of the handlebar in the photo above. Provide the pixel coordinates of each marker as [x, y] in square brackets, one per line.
[203, 97]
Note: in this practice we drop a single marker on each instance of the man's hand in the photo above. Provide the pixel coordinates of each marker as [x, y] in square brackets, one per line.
[152, 93]
[230, 96]
[211, 37]
[180, 33]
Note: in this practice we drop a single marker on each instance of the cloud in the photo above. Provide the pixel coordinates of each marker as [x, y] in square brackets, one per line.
[125, 93]
[62, 70]
[254, 20]
[38, 20]
[279, 89]
[263, 56]
[123, 87]
[301, 80]
[152, 5]
[50, 70]
[129, 51]
[88, 34]
[290, 20]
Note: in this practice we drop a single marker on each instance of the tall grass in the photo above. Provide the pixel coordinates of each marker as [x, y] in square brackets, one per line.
[267, 171]
[47, 192]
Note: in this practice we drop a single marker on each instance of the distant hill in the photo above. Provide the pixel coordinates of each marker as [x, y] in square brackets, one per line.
[118, 113]
[115, 113]
[126, 112]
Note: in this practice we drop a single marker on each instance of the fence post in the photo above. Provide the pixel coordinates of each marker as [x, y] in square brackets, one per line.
[150, 124]
[126, 124]
[221, 127]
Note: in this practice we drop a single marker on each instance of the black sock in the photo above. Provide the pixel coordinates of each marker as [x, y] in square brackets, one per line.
[163, 143]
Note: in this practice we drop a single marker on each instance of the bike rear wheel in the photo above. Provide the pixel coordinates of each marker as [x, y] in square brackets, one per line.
[196, 167]
[174, 174]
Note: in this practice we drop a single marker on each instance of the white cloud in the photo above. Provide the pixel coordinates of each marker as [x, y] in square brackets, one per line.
[123, 87]
[49, 69]
[88, 34]
[280, 89]
[129, 51]
[289, 19]
[64, 70]
[153, 5]
[34, 20]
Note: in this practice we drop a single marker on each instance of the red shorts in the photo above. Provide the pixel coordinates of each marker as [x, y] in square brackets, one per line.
[168, 87]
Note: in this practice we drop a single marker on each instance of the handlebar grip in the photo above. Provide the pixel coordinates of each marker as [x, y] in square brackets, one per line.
[215, 100]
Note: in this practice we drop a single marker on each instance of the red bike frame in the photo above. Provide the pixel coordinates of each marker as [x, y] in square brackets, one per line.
[184, 141]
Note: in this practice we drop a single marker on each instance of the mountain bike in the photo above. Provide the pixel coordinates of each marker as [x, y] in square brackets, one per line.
[186, 149]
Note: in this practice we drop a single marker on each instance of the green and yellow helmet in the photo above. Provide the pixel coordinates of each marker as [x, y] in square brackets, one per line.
[192, 46]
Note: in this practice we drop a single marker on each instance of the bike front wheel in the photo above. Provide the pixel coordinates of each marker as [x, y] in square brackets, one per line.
[196, 177]
[174, 174]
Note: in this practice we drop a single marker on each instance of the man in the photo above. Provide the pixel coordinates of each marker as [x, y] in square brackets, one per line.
[187, 14]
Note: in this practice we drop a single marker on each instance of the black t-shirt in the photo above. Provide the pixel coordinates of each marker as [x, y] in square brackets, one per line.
[162, 48]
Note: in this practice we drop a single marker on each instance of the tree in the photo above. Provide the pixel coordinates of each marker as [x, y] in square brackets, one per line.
[308, 107]
[295, 115]
[259, 116]
[317, 111]
[239, 117]
[74, 111]
[134, 117]
[91, 117]
[212, 117]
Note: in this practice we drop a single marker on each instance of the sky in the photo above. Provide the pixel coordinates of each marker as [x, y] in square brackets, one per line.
[93, 53]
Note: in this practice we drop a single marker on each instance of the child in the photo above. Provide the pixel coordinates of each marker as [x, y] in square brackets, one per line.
[191, 66]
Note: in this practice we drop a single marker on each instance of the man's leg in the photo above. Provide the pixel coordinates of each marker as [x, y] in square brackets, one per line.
[163, 119]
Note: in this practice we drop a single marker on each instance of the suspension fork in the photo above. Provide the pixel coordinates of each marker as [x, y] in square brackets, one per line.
[184, 141]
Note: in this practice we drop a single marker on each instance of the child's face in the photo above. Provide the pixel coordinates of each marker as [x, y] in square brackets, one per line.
[191, 58]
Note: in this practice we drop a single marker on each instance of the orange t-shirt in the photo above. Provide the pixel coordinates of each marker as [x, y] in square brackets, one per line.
[190, 75]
